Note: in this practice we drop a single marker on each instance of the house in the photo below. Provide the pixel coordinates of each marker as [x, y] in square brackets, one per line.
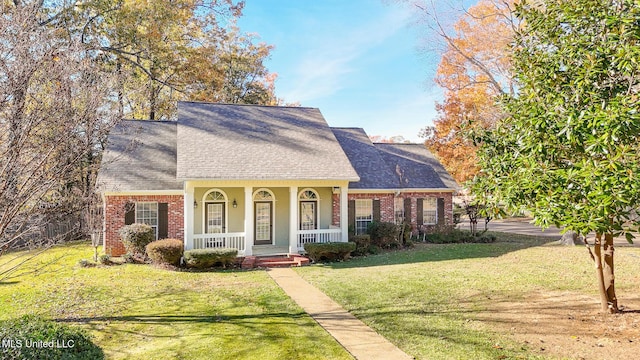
[262, 179]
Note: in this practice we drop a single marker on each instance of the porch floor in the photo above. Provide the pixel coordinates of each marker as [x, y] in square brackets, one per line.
[268, 250]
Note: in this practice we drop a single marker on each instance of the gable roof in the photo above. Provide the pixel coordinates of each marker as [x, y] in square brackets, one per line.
[415, 166]
[366, 160]
[392, 166]
[241, 142]
[140, 155]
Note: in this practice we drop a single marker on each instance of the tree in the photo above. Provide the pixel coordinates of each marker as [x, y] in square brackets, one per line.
[567, 151]
[54, 107]
[474, 72]
[170, 50]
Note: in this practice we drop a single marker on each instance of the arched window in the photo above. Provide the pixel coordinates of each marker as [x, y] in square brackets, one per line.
[215, 211]
[263, 195]
[308, 194]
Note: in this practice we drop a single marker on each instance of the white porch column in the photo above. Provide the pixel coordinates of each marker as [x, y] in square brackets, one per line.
[188, 215]
[293, 220]
[344, 212]
[248, 220]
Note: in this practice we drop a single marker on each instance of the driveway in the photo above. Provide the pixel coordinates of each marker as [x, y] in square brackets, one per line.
[524, 226]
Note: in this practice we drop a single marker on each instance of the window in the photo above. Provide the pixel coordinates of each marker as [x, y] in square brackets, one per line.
[429, 211]
[308, 199]
[147, 213]
[398, 206]
[364, 215]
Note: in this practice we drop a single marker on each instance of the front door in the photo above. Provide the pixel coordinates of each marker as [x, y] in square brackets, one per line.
[214, 218]
[263, 223]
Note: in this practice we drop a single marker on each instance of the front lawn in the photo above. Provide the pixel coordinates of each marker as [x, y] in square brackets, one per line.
[142, 312]
[517, 298]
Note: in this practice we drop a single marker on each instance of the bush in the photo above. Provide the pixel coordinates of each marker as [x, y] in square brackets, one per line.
[448, 234]
[362, 243]
[166, 251]
[329, 251]
[135, 238]
[384, 234]
[206, 258]
[32, 337]
[85, 263]
[128, 258]
[104, 259]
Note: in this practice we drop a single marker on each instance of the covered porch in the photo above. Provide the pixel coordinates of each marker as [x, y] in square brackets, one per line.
[264, 218]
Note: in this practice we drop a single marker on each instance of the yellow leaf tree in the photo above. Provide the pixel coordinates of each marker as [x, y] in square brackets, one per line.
[473, 71]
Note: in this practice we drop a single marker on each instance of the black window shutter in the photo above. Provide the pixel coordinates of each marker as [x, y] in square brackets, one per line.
[407, 210]
[163, 220]
[129, 213]
[352, 213]
[376, 210]
[419, 214]
[440, 212]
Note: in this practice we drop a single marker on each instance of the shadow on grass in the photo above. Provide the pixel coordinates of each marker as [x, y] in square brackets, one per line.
[184, 319]
[427, 252]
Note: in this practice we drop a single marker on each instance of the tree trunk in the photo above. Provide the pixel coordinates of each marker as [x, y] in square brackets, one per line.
[597, 250]
[608, 301]
[609, 277]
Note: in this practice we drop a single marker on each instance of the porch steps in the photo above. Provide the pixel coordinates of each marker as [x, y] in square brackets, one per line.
[276, 261]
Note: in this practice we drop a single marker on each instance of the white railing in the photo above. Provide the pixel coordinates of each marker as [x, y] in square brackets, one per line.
[319, 236]
[220, 240]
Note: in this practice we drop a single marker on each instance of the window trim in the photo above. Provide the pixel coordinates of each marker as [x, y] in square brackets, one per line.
[432, 212]
[204, 203]
[137, 219]
[359, 230]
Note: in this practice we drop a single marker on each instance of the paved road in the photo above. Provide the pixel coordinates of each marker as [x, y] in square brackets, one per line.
[523, 226]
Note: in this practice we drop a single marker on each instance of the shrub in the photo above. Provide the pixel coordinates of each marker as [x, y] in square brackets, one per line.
[329, 251]
[57, 341]
[166, 251]
[362, 243]
[206, 258]
[384, 234]
[448, 234]
[128, 258]
[85, 263]
[104, 259]
[135, 237]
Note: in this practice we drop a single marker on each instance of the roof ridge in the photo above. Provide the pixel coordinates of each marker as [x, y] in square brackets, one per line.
[247, 105]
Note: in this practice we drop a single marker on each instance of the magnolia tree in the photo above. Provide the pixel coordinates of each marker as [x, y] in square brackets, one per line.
[54, 111]
[568, 149]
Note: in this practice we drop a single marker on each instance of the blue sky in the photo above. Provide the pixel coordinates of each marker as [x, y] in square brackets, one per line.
[356, 60]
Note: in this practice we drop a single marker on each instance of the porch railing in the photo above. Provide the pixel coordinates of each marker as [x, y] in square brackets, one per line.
[220, 240]
[318, 236]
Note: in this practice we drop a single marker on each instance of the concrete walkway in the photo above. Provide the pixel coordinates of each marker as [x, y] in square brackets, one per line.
[359, 339]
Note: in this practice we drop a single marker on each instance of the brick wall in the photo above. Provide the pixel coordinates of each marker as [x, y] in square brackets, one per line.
[387, 211]
[114, 210]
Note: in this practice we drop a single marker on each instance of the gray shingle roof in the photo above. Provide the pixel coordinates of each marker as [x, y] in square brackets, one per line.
[140, 155]
[392, 166]
[219, 141]
[366, 159]
[416, 167]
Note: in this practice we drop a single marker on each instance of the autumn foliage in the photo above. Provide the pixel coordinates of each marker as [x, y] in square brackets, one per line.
[474, 71]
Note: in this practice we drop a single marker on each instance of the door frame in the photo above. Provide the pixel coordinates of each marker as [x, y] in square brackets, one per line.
[255, 223]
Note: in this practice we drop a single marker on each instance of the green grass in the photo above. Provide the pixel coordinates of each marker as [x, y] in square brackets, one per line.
[426, 300]
[142, 312]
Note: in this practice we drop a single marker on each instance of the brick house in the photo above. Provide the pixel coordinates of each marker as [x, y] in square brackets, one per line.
[263, 179]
